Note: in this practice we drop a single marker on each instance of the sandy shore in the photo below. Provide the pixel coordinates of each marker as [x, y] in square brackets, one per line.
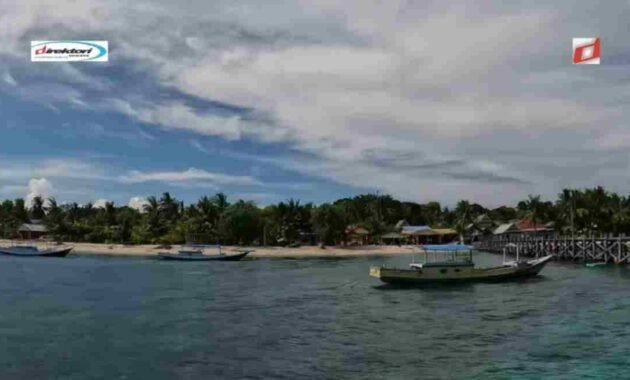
[273, 252]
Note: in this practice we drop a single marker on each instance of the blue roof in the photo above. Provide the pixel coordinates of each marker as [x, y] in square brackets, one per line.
[447, 247]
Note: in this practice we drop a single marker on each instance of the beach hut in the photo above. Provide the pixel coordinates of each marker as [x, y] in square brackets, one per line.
[413, 234]
[357, 235]
[392, 238]
[32, 231]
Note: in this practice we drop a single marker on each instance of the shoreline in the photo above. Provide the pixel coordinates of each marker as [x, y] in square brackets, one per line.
[149, 250]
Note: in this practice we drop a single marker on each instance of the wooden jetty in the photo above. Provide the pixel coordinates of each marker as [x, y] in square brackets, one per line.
[611, 249]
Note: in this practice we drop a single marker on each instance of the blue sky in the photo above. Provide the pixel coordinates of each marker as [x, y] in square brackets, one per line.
[314, 100]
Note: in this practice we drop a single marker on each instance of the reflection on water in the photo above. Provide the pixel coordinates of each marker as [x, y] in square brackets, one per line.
[87, 317]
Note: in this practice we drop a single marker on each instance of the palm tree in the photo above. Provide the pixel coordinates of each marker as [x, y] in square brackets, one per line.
[463, 212]
[534, 209]
[169, 207]
[566, 202]
[37, 208]
[220, 201]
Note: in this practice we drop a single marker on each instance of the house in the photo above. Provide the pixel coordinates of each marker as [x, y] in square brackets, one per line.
[481, 226]
[523, 228]
[436, 236]
[392, 238]
[356, 235]
[32, 231]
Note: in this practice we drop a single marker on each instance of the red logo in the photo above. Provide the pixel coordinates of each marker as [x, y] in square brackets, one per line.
[586, 51]
[41, 50]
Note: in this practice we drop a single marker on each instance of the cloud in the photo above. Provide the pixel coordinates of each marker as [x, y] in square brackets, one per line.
[38, 187]
[8, 79]
[100, 203]
[137, 203]
[420, 100]
[191, 175]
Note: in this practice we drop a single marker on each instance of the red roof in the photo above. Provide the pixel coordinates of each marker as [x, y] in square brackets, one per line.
[527, 225]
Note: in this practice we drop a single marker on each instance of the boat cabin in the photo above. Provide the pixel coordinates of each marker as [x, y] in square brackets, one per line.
[444, 255]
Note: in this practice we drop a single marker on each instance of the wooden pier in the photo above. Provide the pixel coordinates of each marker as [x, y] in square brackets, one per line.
[616, 250]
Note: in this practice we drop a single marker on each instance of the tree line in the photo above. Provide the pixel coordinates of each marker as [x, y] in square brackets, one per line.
[216, 219]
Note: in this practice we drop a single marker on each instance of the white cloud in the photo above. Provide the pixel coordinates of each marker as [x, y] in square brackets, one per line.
[190, 175]
[38, 187]
[8, 79]
[137, 203]
[100, 203]
[454, 89]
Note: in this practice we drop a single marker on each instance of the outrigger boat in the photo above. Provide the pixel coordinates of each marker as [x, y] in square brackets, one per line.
[453, 263]
[195, 252]
[32, 250]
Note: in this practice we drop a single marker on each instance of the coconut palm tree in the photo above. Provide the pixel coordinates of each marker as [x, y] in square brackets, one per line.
[37, 208]
[463, 212]
[533, 207]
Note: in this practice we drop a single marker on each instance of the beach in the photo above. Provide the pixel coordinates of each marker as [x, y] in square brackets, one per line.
[260, 252]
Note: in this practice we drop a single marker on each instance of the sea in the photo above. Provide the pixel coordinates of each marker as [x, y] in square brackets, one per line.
[102, 317]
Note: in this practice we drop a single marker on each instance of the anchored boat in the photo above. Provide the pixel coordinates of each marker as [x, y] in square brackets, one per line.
[453, 263]
[31, 250]
[196, 253]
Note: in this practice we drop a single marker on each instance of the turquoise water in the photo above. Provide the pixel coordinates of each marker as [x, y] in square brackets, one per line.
[110, 318]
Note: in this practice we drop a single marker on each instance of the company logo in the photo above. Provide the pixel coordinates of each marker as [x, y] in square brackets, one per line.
[69, 51]
[586, 51]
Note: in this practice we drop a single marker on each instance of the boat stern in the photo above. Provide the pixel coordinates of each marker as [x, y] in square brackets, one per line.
[375, 272]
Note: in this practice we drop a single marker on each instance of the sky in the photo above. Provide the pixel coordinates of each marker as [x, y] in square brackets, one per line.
[314, 100]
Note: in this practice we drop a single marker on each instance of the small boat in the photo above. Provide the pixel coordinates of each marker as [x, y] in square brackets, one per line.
[452, 263]
[196, 253]
[35, 251]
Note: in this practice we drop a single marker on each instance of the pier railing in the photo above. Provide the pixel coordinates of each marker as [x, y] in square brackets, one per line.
[611, 249]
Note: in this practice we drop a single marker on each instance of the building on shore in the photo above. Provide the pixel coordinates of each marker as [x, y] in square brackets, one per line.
[482, 226]
[357, 235]
[405, 233]
[523, 228]
[33, 230]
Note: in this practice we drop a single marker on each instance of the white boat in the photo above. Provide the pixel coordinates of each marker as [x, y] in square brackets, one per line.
[453, 263]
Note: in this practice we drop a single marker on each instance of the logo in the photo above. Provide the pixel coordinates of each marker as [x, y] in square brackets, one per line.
[69, 51]
[586, 51]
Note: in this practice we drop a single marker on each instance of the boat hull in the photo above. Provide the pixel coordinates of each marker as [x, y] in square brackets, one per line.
[447, 275]
[184, 257]
[43, 253]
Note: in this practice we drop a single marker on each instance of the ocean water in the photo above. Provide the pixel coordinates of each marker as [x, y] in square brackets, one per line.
[114, 318]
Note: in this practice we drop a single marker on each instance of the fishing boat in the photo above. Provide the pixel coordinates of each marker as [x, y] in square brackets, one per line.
[196, 252]
[32, 250]
[453, 263]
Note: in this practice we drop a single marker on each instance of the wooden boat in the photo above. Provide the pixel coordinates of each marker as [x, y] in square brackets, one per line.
[454, 264]
[34, 251]
[196, 253]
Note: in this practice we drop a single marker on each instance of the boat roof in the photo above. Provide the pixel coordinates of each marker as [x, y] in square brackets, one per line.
[447, 247]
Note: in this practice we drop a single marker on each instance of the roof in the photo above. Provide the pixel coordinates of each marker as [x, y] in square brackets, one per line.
[356, 230]
[392, 235]
[26, 227]
[445, 231]
[527, 225]
[401, 223]
[414, 230]
[436, 232]
[506, 227]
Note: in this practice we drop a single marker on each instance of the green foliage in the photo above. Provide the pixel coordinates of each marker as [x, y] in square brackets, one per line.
[330, 221]
[214, 219]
